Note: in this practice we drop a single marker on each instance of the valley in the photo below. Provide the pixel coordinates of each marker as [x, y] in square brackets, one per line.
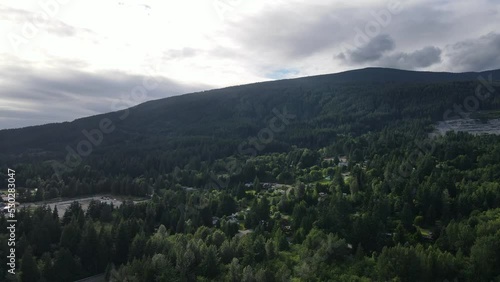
[310, 179]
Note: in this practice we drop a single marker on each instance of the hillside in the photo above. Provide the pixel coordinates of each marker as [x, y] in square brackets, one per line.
[325, 178]
[351, 102]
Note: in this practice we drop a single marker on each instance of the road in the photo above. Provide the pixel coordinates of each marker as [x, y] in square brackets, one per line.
[64, 204]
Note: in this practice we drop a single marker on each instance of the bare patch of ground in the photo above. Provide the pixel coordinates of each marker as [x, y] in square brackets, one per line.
[472, 126]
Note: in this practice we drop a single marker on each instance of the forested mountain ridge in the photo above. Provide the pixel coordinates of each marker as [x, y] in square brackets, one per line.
[326, 178]
[351, 102]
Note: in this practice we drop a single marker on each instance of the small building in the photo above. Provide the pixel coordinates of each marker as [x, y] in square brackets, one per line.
[215, 220]
[233, 218]
[343, 161]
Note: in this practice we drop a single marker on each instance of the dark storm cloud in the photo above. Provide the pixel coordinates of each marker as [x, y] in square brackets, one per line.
[478, 54]
[423, 23]
[422, 58]
[42, 97]
[378, 52]
[371, 51]
[421, 28]
[293, 31]
[299, 31]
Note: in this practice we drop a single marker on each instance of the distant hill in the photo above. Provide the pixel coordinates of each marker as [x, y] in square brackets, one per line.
[352, 102]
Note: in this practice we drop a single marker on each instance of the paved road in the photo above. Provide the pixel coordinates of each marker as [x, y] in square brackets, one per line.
[63, 204]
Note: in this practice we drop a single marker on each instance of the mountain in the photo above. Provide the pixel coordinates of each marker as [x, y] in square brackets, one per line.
[349, 102]
[324, 178]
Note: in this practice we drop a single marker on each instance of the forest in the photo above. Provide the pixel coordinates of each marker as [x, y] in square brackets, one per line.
[329, 178]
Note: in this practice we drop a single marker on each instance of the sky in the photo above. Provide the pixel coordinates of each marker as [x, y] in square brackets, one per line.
[65, 59]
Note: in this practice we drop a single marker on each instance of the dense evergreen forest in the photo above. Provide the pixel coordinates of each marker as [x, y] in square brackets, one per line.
[327, 178]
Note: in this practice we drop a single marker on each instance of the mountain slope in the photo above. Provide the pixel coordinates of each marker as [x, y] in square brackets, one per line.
[350, 102]
[327, 178]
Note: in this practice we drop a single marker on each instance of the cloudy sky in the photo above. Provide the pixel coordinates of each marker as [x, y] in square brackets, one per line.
[61, 60]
